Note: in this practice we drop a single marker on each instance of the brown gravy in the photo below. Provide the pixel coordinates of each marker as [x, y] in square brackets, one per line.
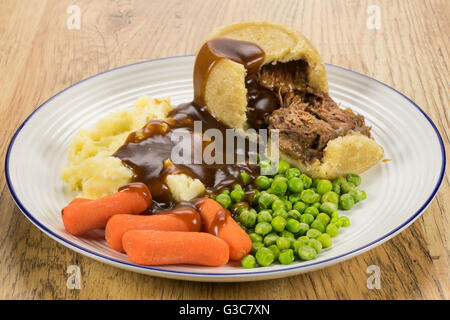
[187, 214]
[145, 151]
[139, 187]
[220, 219]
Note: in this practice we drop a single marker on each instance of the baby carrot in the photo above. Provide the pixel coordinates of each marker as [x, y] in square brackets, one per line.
[218, 221]
[150, 247]
[81, 216]
[79, 200]
[179, 219]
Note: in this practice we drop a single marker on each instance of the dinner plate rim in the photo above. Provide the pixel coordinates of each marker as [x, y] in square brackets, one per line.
[222, 276]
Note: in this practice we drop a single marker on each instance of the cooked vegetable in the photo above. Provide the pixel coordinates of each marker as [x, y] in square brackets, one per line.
[82, 216]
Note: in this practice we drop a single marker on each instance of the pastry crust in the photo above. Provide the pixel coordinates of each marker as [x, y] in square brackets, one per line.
[353, 153]
[225, 96]
[226, 86]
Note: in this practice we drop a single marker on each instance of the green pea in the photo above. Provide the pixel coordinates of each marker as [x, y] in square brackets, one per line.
[295, 185]
[354, 178]
[346, 187]
[324, 186]
[364, 194]
[307, 181]
[248, 261]
[237, 195]
[347, 202]
[313, 233]
[330, 196]
[263, 228]
[328, 207]
[286, 256]
[307, 218]
[324, 218]
[298, 243]
[293, 226]
[294, 214]
[283, 243]
[245, 177]
[255, 237]
[264, 256]
[318, 225]
[270, 239]
[337, 188]
[339, 180]
[280, 212]
[287, 234]
[278, 223]
[356, 194]
[315, 182]
[247, 218]
[308, 196]
[279, 187]
[299, 206]
[262, 182]
[316, 244]
[325, 240]
[288, 204]
[304, 227]
[294, 197]
[256, 246]
[280, 177]
[332, 230]
[335, 221]
[274, 250]
[224, 200]
[335, 214]
[345, 221]
[265, 200]
[265, 166]
[238, 207]
[264, 216]
[316, 205]
[306, 253]
[303, 239]
[316, 199]
[278, 204]
[283, 166]
[252, 196]
[312, 211]
[292, 172]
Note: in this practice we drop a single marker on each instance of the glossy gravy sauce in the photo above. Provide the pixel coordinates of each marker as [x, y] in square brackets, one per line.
[146, 151]
[139, 187]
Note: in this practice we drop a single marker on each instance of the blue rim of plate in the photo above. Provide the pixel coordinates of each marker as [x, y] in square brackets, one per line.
[224, 275]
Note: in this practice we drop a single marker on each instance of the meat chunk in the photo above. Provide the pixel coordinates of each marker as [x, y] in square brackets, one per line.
[323, 107]
[284, 77]
[307, 119]
[301, 134]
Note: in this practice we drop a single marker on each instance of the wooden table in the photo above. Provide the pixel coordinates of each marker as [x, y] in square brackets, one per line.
[40, 56]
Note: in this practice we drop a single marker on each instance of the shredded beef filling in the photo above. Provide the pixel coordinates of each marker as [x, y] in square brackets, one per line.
[306, 119]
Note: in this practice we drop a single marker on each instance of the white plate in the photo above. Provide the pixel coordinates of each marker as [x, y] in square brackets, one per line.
[398, 191]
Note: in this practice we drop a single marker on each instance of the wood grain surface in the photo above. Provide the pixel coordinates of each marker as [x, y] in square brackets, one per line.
[40, 56]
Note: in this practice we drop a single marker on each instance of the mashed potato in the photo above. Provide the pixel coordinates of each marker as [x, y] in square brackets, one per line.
[91, 170]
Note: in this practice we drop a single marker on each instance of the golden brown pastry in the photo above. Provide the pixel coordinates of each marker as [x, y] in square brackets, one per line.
[316, 135]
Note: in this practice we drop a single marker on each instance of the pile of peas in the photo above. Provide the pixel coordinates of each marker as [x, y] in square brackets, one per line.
[290, 216]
